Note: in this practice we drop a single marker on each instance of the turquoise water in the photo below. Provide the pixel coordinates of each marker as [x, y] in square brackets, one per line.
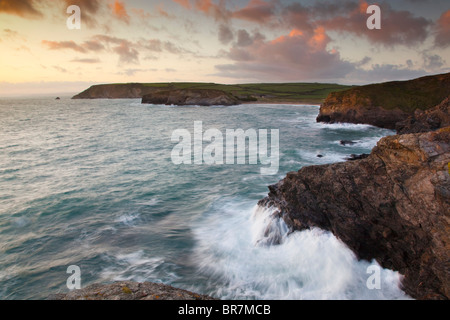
[92, 184]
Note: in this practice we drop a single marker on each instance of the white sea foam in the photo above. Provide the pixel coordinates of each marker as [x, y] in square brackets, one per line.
[136, 103]
[344, 126]
[128, 219]
[239, 249]
[367, 142]
[134, 266]
[321, 157]
[21, 222]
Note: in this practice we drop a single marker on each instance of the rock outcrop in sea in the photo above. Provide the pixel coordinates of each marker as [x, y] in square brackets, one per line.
[191, 97]
[392, 206]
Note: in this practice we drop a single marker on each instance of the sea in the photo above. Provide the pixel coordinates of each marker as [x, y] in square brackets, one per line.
[93, 184]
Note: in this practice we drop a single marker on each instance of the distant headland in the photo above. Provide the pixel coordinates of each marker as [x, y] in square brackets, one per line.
[308, 93]
[382, 105]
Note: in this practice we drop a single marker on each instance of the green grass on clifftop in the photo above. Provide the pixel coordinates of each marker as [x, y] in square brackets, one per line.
[422, 93]
[265, 92]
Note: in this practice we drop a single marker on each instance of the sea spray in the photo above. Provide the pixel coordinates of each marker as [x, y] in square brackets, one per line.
[255, 256]
[267, 227]
[91, 183]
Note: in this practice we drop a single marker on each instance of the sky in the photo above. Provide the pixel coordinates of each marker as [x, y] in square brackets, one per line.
[237, 41]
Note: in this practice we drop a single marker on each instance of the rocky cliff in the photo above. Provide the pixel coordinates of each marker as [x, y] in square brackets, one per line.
[166, 95]
[386, 104]
[303, 93]
[189, 97]
[429, 120]
[116, 91]
[393, 206]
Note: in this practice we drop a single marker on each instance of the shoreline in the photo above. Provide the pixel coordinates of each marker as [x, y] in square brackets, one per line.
[399, 192]
[293, 103]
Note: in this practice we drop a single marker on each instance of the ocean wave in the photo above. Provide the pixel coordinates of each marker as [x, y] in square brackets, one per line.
[255, 256]
[345, 126]
[136, 266]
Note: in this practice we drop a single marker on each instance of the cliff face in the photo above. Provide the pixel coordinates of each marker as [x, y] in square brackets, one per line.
[393, 206]
[188, 97]
[116, 91]
[385, 104]
[429, 120]
[344, 110]
[155, 95]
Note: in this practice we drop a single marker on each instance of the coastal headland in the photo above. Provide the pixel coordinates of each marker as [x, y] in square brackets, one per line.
[308, 93]
[385, 104]
[392, 206]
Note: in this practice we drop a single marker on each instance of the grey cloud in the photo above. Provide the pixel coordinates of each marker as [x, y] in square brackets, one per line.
[432, 62]
[225, 34]
[384, 73]
[244, 38]
[126, 53]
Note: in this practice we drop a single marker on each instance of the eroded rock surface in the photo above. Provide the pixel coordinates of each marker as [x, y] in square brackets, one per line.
[128, 290]
[393, 206]
[385, 104]
[191, 97]
[429, 120]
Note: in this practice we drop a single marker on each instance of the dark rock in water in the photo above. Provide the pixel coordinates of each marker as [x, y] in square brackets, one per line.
[354, 157]
[319, 156]
[393, 206]
[424, 121]
[128, 290]
[347, 143]
[191, 97]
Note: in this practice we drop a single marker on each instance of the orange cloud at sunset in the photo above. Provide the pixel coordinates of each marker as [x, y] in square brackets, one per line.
[319, 40]
[257, 10]
[54, 45]
[119, 10]
[23, 8]
[443, 30]
[295, 33]
[184, 3]
[222, 41]
[363, 5]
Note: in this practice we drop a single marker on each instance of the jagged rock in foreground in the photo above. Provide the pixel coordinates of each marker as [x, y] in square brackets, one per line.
[393, 206]
[127, 290]
[429, 120]
[191, 97]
